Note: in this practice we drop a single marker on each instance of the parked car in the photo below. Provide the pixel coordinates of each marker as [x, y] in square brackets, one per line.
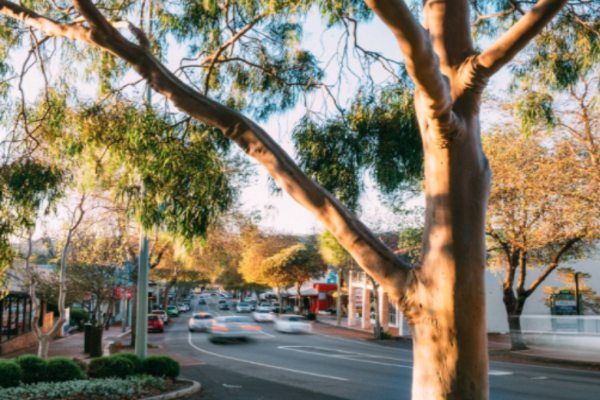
[155, 324]
[172, 310]
[243, 307]
[181, 307]
[263, 315]
[264, 307]
[200, 322]
[163, 316]
[224, 328]
[292, 324]
[188, 305]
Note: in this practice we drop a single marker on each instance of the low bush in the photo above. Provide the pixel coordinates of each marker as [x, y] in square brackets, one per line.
[61, 369]
[34, 368]
[78, 315]
[111, 367]
[137, 362]
[162, 366]
[311, 316]
[94, 389]
[10, 374]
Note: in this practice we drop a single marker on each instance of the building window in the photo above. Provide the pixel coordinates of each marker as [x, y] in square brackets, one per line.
[393, 314]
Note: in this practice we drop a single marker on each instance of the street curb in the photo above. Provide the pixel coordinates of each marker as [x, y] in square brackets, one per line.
[409, 339]
[547, 360]
[106, 347]
[195, 388]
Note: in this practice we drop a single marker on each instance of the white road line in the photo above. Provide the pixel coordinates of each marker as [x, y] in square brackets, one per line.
[264, 365]
[540, 366]
[499, 373]
[344, 357]
[359, 342]
[268, 334]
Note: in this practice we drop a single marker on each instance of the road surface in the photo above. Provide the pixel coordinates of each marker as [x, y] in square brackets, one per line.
[332, 364]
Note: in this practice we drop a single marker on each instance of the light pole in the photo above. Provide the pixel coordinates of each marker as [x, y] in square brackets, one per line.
[141, 338]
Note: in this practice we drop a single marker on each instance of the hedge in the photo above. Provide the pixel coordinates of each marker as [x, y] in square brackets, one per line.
[10, 374]
[162, 366]
[62, 369]
[35, 369]
[110, 367]
[137, 362]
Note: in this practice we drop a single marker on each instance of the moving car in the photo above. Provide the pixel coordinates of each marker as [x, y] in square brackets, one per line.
[172, 310]
[264, 307]
[243, 307]
[223, 306]
[163, 316]
[292, 324]
[201, 301]
[200, 322]
[155, 324]
[225, 328]
[263, 316]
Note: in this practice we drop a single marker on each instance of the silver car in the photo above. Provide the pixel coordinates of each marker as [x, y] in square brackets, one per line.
[200, 322]
[292, 324]
[243, 307]
[163, 316]
[236, 328]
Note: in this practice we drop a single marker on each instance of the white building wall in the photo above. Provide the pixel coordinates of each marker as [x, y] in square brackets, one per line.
[496, 313]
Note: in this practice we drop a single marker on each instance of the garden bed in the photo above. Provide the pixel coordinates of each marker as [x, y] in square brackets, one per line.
[131, 388]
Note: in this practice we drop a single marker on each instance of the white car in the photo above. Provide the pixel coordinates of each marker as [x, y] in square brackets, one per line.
[292, 324]
[243, 307]
[182, 308]
[263, 316]
[224, 328]
[200, 322]
[264, 307]
[275, 307]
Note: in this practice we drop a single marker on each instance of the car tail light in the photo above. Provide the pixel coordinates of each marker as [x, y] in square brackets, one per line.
[256, 328]
[220, 328]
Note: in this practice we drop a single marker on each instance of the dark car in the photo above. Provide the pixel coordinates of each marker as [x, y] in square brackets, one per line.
[201, 301]
[223, 306]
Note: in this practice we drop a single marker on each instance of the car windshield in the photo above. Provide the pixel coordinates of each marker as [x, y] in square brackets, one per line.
[159, 311]
[202, 316]
[265, 305]
[152, 317]
[170, 307]
[243, 305]
[263, 312]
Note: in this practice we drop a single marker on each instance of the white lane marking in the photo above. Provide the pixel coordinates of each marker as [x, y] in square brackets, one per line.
[540, 377]
[499, 373]
[341, 357]
[231, 386]
[268, 334]
[540, 366]
[359, 342]
[263, 365]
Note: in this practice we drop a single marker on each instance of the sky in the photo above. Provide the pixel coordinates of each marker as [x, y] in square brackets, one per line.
[280, 212]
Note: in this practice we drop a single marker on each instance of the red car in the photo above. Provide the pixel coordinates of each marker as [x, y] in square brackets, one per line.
[155, 323]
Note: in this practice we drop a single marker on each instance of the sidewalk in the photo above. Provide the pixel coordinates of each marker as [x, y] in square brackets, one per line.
[70, 346]
[332, 320]
[499, 347]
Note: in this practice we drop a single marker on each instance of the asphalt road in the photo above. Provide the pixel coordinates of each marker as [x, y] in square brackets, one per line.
[330, 364]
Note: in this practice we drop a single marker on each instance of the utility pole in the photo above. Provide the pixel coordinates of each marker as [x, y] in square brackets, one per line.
[577, 302]
[338, 311]
[141, 338]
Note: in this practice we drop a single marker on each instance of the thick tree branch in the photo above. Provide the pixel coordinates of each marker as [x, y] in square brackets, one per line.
[373, 256]
[516, 38]
[421, 62]
[555, 261]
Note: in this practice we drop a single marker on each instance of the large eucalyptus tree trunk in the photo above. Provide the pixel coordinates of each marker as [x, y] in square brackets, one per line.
[443, 297]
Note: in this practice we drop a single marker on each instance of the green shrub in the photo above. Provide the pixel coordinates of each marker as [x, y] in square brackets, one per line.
[138, 365]
[110, 367]
[34, 368]
[61, 369]
[311, 316]
[162, 366]
[105, 389]
[78, 315]
[10, 374]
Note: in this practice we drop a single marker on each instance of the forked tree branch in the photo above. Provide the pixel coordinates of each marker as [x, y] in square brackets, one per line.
[518, 36]
[555, 262]
[373, 256]
[421, 62]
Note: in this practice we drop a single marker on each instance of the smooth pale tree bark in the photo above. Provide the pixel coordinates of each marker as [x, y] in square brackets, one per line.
[45, 339]
[443, 297]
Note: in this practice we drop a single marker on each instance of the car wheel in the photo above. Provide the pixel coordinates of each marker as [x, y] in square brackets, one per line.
[161, 331]
[191, 330]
